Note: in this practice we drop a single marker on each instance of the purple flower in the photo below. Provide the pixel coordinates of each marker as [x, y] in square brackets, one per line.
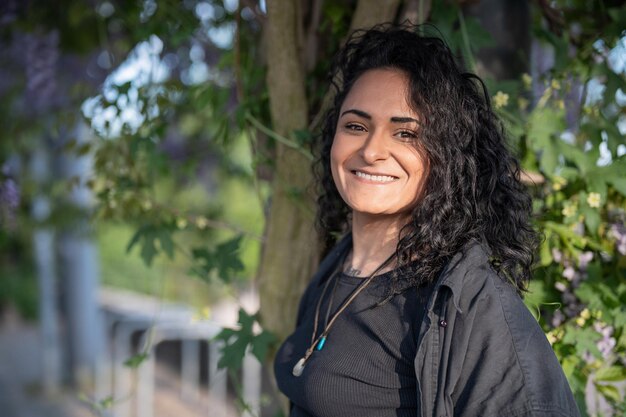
[607, 343]
[579, 228]
[557, 318]
[9, 202]
[584, 259]
[588, 357]
[618, 231]
[569, 273]
[557, 255]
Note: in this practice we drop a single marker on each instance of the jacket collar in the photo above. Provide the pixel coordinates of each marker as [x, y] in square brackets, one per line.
[453, 274]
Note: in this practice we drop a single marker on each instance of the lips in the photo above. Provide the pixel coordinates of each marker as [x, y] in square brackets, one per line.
[375, 177]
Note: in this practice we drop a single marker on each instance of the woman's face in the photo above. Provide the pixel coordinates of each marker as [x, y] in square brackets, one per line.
[374, 160]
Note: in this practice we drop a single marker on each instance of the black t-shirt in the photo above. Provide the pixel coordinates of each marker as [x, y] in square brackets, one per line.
[366, 365]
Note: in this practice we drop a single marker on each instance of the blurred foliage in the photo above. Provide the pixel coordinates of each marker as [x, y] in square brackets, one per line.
[18, 284]
[183, 151]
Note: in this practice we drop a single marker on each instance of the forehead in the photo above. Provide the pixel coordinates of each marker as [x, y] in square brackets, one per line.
[382, 92]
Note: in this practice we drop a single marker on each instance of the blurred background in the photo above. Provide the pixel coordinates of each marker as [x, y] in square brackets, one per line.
[156, 201]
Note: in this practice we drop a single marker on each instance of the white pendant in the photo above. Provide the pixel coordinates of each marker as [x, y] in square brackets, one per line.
[298, 367]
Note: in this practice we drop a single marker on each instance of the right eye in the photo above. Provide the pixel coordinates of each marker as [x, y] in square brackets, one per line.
[355, 127]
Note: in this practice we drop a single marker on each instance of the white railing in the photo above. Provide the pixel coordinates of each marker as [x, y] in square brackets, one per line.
[128, 315]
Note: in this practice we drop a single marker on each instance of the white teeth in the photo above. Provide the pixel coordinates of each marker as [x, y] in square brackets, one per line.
[378, 178]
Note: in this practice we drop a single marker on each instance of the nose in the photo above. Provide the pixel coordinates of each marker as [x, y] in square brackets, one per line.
[374, 148]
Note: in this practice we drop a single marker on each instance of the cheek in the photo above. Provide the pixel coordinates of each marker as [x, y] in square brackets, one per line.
[420, 175]
[335, 161]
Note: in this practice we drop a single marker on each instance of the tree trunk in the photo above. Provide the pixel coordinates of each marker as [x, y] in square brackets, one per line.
[371, 12]
[508, 22]
[291, 249]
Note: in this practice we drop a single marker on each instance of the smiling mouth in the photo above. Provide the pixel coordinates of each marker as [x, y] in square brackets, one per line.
[375, 178]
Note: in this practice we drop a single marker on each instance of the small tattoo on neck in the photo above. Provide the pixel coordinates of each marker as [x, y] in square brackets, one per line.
[352, 272]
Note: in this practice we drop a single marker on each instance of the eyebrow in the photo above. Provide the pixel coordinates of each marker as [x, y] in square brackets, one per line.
[367, 116]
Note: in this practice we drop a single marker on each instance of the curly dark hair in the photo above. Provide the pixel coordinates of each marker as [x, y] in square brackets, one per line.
[473, 190]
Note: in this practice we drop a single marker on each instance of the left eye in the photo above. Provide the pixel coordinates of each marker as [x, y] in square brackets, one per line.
[406, 134]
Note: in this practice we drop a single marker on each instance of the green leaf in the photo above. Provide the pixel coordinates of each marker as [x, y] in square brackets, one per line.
[224, 259]
[612, 373]
[136, 360]
[134, 240]
[596, 183]
[591, 214]
[549, 159]
[584, 161]
[236, 342]
[616, 176]
[166, 242]
[246, 321]
[261, 345]
[566, 234]
[544, 124]
[146, 236]
[583, 341]
[228, 258]
[545, 254]
[609, 392]
[537, 294]
[148, 251]
[233, 354]
[620, 317]
[619, 184]
[106, 403]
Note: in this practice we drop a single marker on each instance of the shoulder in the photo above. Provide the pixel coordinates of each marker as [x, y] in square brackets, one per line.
[469, 276]
[500, 341]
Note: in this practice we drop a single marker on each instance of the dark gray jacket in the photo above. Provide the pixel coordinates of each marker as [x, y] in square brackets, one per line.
[479, 351]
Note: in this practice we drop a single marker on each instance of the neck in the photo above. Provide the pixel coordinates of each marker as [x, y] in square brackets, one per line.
[374, 240]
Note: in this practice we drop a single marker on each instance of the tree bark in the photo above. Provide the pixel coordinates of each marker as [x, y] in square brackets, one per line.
[508, 21]
[371, 12]
[291, 249]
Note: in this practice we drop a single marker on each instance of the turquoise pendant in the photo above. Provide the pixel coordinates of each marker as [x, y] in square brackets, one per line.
[320, 345]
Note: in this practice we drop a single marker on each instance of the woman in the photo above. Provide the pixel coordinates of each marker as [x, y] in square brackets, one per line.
[417, 310]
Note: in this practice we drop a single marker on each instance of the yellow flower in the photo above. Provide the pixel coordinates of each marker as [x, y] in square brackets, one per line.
[580, 321]
[500, 100]
[201, 223]
[569, 210]
[559, 333]
[593, 199]
[203, 314]
[551, 338]
[585, 314]
[527, 80]
[558, 183]
[522, 103]
[181, 223]
[555, 84]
